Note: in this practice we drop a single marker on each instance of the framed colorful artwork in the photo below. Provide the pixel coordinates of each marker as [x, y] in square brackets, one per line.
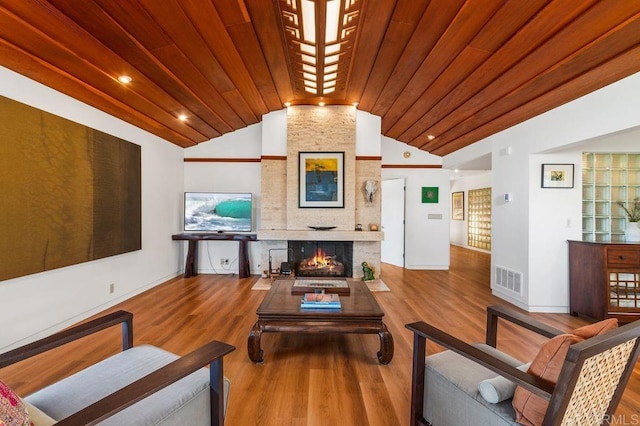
[321, 180]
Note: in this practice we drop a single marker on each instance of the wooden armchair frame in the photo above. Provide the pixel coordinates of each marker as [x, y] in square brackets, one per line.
[212, 354]
[559, 396]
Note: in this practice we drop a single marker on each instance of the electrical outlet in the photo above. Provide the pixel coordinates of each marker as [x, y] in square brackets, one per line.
[112, 288]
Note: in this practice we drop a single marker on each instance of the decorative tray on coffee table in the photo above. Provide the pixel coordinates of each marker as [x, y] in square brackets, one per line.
[321, 285]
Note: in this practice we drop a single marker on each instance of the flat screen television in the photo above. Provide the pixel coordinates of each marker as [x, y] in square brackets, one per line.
[217, 211]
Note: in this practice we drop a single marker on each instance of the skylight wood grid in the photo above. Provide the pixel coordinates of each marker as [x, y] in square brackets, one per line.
[320, 36]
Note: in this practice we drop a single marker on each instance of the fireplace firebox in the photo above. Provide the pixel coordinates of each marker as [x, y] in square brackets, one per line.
[322, 258]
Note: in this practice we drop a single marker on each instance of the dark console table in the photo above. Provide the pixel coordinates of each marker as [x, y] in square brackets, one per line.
[604, 280]
[191, 264]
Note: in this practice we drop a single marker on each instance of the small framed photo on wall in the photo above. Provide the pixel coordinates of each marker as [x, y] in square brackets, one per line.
[557, 176]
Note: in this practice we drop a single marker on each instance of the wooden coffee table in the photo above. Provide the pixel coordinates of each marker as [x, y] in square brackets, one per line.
[280, 312]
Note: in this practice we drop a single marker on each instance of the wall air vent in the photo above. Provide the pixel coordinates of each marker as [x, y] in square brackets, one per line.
[509, 280]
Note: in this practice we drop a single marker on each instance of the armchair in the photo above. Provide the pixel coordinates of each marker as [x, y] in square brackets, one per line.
[142, 385]
[591, 379]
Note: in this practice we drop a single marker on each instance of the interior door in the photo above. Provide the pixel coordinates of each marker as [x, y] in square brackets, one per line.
[392, 248]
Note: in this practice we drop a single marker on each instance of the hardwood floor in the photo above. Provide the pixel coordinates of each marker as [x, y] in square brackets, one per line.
[309, 379]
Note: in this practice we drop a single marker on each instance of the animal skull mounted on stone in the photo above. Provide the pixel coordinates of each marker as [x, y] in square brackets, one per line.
[369, 188]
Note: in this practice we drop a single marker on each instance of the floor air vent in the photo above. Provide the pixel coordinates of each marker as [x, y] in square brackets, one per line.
[509, 280]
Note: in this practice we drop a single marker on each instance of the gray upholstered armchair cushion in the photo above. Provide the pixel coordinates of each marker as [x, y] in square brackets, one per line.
[451, 386]
[185, 402]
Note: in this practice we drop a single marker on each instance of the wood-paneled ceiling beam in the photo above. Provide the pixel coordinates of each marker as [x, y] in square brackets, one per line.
[441, 74]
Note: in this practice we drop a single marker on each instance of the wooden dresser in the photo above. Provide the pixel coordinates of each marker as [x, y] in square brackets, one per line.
[604, 280]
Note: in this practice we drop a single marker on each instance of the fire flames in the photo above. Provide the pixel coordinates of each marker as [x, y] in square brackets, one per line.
[321, 260]
[321, 264]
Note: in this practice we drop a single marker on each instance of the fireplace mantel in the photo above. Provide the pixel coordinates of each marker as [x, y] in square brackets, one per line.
[311, 235]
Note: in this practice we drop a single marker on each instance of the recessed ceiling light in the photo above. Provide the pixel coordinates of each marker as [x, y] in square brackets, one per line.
[431, 137]
[321, 103]
[355, 104]
[287, 104]
[182, 117]
[124, 79]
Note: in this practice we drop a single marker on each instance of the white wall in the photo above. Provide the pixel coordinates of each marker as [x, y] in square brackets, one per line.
[555, 217]
[274, 133]
[368, 137]
[40, 304]
[529, 234]
[395, 153]
[458, 233]
[223, 176]
[426, 240]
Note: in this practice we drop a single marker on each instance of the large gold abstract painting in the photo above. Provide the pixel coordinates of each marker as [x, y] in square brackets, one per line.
[68, 193]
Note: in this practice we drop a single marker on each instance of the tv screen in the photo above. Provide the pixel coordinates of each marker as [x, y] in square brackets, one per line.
[217, 211]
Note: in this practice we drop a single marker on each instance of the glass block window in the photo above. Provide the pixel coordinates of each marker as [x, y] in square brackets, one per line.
[479, 224]
[606, 179]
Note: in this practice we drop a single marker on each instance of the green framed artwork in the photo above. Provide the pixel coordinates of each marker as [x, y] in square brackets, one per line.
[429, 194]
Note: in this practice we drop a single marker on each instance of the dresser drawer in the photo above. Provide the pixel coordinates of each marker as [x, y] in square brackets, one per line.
[620, 256]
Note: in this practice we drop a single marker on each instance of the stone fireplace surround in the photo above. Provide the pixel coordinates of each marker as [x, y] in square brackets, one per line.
[323, 129]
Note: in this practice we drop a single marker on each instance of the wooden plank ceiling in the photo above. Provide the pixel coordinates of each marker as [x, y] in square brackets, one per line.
[442, 74]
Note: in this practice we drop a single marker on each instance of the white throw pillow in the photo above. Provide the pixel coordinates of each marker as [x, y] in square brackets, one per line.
[498, 389]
